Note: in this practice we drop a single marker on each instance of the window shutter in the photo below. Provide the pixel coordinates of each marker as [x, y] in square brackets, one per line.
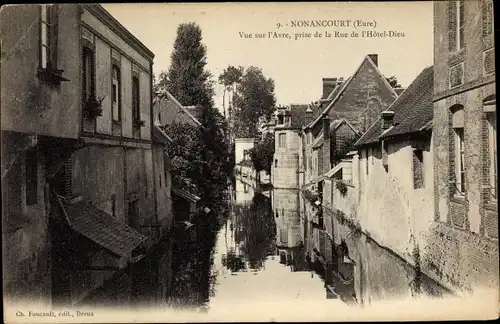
[452, 25]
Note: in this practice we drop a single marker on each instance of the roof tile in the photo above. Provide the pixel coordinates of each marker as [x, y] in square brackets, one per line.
[413, 110]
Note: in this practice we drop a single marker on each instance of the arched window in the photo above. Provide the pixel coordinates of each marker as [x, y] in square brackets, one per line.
[459, 147]
[116, 93]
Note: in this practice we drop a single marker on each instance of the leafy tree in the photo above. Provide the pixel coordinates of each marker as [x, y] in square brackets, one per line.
[190, 83]
[262, 154]
[185, 149]
[230, 77]
[393, 81]
[252, 97]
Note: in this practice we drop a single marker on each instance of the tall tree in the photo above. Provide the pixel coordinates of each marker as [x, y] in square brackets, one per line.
[230, 77]
[190, 83]
[254, 98]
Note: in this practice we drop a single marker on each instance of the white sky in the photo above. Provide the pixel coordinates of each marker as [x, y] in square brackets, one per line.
[297, 66]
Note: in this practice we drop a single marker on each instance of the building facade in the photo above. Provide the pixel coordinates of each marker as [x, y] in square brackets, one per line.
[242, 146]
[357, 101]
[465, 174]
[40, 104]
[81, 102]
[286, 167]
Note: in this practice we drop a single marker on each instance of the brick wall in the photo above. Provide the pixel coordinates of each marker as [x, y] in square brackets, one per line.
[366, 95]
[459, 253]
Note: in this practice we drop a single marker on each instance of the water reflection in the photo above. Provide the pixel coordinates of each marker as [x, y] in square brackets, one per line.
[279, 248]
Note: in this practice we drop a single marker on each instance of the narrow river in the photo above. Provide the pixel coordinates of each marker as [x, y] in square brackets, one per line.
[269, 250]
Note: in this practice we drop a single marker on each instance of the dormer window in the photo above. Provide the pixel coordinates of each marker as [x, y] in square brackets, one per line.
[281, 119]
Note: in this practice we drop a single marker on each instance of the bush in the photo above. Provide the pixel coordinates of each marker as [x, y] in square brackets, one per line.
[342, 187]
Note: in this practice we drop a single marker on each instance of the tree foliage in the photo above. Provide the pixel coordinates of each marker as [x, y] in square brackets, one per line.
[262, 154]
[231, 76]
[185, 149]
[393, 81]
[252, 97]
[207, 166]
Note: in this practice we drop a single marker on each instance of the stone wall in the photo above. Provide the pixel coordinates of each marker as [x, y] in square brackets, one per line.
[285, 169]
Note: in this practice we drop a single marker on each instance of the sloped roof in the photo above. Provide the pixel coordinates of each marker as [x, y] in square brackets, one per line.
[298, 115]
[342, 88]
[102, 228]
[413, 110]
[195, 111]
[334, 125]
[160, 136]
[186, 195]
[186, 109]
[399, 90]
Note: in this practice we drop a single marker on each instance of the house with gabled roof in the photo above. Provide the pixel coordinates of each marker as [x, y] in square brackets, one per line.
[356, 101]
[359, 99]
[325, 149]
[389, 188]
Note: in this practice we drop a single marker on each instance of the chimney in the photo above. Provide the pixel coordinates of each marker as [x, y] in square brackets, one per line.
[326, 145]
[328, 85]
[309, 115]
[387, 119]
[374, 58]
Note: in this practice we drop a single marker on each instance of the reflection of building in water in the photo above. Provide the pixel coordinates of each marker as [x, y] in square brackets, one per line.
[244, 193]
[285, 205]
[289, 238]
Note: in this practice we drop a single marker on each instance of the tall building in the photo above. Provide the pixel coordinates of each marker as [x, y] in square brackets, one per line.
[77, 119]
[465, 172]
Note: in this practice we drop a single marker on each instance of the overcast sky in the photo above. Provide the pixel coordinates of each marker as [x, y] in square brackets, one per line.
[297, 66]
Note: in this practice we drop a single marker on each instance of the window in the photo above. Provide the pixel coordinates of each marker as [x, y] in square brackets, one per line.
[418, 174]
[488, 17]
[135, 98]
[310, 164]
[113, 205]
[88, 81]
[282, 140]
[366, 160]
[116, 93]
[48, 34]
[460, 24]
[31, 163]
[280, 119]
[456, 20]
[284, 235]
[492, 150]
[459, 159]
[276, 163]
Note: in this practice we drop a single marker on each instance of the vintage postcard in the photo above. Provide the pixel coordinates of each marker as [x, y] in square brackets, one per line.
[217, 162]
